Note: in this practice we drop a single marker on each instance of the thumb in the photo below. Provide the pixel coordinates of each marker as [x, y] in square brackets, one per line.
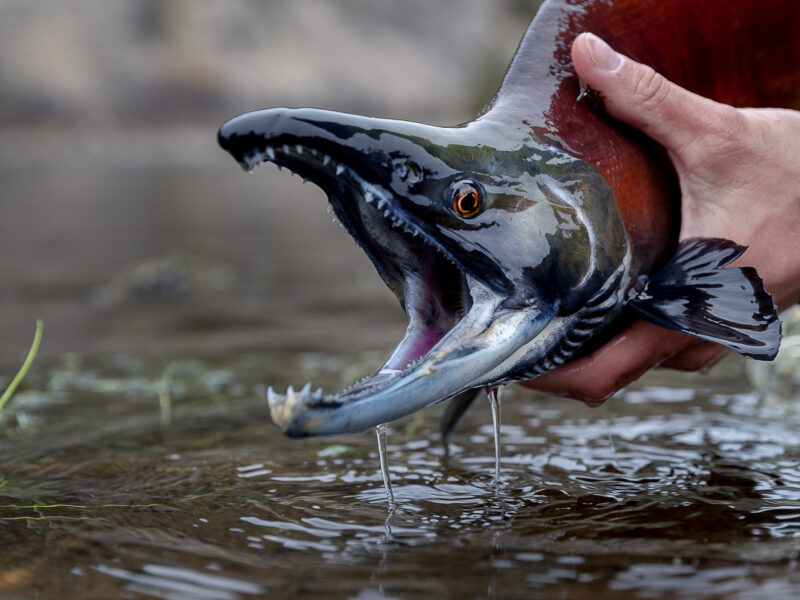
[636, 94]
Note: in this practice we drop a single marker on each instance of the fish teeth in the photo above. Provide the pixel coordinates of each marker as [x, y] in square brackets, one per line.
[272, 397]
[299, 149]
[276, 400]
[252, 159]
[302, 396]
[325, 160]
[329, 208]
[369, 197]
[339, 169]
[270, 152]
[286, 148]
[381, 204]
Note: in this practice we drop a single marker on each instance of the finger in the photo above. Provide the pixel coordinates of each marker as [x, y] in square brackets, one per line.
[636, 94]
[698, 358]
[626, 357]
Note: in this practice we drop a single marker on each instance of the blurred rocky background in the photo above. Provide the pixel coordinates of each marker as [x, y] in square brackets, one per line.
[179, 62]
[127, 230]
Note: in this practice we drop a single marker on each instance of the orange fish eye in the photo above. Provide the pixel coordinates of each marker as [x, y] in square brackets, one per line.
[467, 199]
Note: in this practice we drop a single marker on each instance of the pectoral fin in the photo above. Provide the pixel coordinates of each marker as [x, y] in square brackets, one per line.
[694, 294]
[456, 409]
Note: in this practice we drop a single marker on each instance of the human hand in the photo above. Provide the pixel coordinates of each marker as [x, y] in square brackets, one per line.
[739, 173]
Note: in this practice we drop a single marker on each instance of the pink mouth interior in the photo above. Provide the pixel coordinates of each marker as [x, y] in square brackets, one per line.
[434, 304]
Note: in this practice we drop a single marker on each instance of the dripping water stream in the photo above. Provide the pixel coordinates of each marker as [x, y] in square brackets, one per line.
[495, 396]
[94, 489]
[380, 432]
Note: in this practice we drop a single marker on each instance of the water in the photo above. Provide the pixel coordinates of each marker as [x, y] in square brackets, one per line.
[690, 491]
[138, 461]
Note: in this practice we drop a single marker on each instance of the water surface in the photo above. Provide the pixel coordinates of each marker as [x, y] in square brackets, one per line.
[680, 487]
[138, 460]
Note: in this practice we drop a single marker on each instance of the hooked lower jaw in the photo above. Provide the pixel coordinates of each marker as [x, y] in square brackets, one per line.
[461, 360]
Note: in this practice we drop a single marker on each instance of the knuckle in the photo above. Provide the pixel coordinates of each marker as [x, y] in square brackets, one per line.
[727, 129]
[724, 140]
[650, 89]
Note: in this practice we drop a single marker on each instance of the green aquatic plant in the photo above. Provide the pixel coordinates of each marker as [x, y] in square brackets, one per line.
[52, 510]
[37, 340]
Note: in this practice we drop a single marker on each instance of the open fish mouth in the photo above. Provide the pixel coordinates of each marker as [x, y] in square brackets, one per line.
[433, 290]
[462, 322]
[436, 294]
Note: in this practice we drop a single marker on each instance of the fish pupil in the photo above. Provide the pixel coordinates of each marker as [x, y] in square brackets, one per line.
[469, 203]
[467, 200]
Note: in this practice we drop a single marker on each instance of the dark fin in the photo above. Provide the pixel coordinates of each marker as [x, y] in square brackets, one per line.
[455, 410]
[693, 294]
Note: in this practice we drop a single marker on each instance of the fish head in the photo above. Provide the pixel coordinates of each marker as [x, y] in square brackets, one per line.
[485, 233]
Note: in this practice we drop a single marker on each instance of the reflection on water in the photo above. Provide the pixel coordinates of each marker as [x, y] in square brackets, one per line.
[683, 486]
[149, 468]
[179, 260]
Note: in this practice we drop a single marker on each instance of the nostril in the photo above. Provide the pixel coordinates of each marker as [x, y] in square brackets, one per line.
[407, 171]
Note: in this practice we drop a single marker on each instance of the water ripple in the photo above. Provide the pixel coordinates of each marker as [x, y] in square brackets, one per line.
[661, 493]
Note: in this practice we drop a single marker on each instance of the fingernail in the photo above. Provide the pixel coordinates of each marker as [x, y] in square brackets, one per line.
[603, 56]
